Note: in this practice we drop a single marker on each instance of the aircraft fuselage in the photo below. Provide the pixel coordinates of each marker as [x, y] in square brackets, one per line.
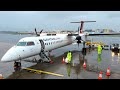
[31, 46]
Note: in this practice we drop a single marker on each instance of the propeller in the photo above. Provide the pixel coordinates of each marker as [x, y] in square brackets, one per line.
[78, 44]
[41, 31]
[78, 38]
[78, 30]
[37, 33]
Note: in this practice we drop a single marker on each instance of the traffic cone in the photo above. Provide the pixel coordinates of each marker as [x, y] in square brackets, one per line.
[108, 72]
[63, 60]
[100, 75]
[51, 62]
[84, 64]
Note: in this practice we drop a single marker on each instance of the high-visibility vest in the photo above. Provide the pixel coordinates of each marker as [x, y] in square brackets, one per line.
[69, 56]
[99, 48]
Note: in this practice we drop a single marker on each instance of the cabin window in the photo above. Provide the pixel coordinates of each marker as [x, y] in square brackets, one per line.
[30, 43]
[21, 43]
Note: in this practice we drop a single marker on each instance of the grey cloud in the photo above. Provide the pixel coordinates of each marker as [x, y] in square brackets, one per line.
[58, 19]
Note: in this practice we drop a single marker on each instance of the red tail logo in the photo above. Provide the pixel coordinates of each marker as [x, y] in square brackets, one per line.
[81, 27]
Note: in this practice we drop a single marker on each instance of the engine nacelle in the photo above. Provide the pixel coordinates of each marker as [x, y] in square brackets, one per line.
[78, 38]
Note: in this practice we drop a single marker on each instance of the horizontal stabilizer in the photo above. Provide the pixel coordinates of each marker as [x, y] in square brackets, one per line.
[83, 22]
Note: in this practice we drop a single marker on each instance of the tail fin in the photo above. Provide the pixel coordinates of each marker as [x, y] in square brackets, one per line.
[81, 27]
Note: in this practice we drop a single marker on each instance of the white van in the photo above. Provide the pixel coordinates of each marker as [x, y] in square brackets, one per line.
[106, 47]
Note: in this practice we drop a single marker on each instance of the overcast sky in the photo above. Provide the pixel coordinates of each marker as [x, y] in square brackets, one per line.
[58, 20]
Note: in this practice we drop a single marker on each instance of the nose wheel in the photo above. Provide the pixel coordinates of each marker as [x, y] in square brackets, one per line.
[17, 65]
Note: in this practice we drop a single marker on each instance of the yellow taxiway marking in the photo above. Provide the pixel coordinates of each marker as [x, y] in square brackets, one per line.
[40, 71]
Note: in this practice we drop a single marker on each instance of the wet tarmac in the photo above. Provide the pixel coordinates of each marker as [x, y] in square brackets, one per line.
[74, 70]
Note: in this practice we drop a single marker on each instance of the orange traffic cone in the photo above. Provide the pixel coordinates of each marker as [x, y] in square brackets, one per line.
[51, 62]
[63, 60]
[100, 75]
[84, 64]
[108, 72]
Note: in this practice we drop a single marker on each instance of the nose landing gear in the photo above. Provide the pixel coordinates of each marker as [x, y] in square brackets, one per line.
[17, 65]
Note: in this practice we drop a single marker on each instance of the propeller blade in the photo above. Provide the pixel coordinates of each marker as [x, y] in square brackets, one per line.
[36, 32]
[78, 45]
[78, 30]
[41, 31]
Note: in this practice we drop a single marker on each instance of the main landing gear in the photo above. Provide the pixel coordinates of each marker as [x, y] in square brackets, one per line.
[84, 49]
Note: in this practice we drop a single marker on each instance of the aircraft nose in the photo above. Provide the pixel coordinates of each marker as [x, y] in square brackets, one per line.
[5, 58]
[9, 56]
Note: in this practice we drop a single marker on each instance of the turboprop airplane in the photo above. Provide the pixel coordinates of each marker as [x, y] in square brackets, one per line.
[38, 45]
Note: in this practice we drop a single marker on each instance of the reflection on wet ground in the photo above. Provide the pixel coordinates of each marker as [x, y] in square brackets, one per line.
[74, 70]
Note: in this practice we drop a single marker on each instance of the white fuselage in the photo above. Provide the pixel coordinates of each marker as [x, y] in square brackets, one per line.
[31, 46]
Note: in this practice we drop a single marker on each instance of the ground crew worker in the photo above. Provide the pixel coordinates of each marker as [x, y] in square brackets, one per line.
[68, 69]
[99, 49]
[69, 56]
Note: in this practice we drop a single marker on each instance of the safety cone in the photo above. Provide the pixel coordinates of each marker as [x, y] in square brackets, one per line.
[51, 62]
[63, 60]
[100, 75]
[84, 65]
[108, 72]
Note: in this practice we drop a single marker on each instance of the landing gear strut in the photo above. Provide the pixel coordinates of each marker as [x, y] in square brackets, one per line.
[17, 65]
[84, 49]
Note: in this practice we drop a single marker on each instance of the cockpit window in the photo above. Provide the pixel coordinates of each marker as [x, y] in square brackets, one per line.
[21, 44]
[30, 43]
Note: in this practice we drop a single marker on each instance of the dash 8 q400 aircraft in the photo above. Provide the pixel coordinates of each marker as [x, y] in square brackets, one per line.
[38, 45]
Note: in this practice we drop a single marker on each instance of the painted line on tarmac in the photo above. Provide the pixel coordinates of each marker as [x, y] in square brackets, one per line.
[40, 71]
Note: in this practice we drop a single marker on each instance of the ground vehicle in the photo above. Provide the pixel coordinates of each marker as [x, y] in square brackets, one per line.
[106, 47]
[115, 47]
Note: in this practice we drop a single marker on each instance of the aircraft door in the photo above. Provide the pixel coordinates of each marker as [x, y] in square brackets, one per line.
[42, 45]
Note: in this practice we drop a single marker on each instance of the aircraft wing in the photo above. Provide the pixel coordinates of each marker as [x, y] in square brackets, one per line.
[72, 35]
[99, 34]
